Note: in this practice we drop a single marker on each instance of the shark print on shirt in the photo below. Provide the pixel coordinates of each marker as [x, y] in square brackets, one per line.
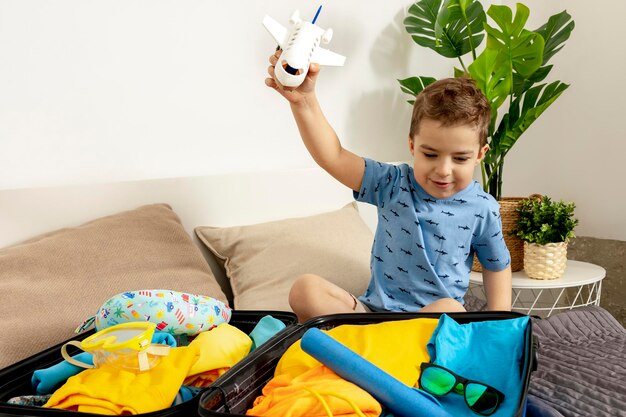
[424, 246]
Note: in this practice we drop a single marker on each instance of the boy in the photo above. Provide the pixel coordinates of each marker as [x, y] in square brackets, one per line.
[431, 216]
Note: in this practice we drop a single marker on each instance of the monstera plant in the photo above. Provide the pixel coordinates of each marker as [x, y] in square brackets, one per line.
[510, 69]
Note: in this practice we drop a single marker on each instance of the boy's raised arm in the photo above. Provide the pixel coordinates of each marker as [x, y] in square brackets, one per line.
[317, 134]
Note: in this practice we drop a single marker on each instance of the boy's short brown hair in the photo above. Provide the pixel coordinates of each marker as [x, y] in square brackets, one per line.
[453, 101]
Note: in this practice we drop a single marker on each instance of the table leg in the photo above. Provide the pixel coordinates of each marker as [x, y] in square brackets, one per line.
[536, 300]
[517, 293]
[556, 301]
[573, 304]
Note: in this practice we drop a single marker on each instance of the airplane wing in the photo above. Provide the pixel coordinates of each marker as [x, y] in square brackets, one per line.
[278, 31]
[325, 57]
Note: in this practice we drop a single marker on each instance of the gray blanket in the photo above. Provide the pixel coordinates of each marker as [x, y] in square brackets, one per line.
[581, 367]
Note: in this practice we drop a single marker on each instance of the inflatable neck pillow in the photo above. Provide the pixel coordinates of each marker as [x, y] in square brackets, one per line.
[177, 313]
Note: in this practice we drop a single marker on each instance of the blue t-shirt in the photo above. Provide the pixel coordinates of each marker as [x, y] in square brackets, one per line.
[424, 247]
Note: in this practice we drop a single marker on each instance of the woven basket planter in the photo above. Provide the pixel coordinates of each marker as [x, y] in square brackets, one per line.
[545, 261]
[509, 217]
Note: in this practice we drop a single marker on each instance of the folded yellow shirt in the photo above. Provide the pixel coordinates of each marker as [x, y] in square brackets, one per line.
[397, 347]
[286, 396]
[220, 347]
[114, 391]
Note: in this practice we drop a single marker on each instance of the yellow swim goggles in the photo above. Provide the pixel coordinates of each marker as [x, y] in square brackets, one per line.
[125, 345]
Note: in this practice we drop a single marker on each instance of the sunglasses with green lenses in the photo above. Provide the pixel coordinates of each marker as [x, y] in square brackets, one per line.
[480, 398]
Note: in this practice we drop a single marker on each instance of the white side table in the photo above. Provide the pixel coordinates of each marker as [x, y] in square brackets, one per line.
[545, 296]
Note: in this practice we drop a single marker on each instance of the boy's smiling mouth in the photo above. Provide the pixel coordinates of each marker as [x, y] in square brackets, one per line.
[441, 184]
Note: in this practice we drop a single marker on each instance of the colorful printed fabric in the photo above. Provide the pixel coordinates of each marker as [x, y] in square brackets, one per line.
[173, 312]
[30, 400]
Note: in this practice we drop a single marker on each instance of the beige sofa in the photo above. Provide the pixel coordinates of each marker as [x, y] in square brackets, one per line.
[241, 238]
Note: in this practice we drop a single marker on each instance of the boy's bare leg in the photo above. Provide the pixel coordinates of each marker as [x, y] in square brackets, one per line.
[444, 305]
[311, 296]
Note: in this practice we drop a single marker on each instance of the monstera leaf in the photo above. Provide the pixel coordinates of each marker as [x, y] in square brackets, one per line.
[491, 77]
[520, 49]
[554, 33]
[522, 84]
[452, 29]
[415, 85]
[534, 105]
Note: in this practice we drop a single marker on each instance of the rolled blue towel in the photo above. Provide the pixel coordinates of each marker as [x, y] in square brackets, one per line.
[46, 381]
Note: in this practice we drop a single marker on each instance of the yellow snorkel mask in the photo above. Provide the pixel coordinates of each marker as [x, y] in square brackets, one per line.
[125, 345]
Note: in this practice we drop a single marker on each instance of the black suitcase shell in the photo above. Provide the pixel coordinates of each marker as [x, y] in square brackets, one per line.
[15, 379]
[233, 393]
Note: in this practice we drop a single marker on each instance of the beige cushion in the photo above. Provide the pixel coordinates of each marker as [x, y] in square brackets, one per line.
[51, 283]
[263, 260]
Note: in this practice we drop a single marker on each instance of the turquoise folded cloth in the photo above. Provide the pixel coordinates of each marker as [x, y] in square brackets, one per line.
[264, 330]
[492, 352]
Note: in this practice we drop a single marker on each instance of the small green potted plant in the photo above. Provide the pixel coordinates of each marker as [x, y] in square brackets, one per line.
[546, 227]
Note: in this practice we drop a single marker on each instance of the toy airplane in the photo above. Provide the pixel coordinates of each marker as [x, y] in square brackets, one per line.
[300, 47]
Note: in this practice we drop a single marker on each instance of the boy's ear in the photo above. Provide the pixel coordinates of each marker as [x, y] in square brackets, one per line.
[411, 145]
[481, 153]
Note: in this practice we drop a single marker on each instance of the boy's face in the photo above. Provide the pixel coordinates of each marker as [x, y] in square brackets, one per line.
[444, 157]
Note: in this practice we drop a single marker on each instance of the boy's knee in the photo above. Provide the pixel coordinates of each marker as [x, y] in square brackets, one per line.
[444, 305]
[303, 287]
[453, 305]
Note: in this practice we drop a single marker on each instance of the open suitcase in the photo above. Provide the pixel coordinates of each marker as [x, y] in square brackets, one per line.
[234, 393]
[15, 380]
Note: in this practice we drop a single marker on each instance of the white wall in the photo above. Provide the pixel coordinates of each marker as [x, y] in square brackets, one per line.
[96, 91]
[576, 150]
[99, 91]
